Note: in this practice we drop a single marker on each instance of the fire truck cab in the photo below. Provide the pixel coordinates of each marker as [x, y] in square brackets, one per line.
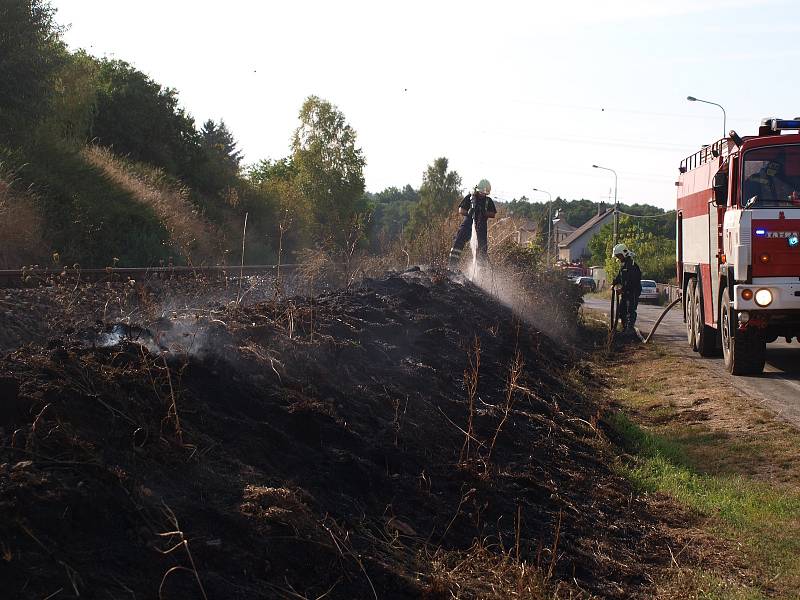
[738, 244]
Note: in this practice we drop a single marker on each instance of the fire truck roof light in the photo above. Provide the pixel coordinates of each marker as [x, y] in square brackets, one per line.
[781, 124]
[761, 232]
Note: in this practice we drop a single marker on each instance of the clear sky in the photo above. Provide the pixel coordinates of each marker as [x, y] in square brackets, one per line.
[524, 94]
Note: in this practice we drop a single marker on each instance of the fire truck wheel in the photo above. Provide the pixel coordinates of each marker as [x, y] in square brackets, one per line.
[705, 341]
[689, 314]
[742, 351]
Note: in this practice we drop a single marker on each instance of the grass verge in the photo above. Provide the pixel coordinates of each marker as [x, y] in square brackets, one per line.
[724, 461]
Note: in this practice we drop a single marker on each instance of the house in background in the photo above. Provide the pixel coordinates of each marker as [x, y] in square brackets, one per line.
[576, 245]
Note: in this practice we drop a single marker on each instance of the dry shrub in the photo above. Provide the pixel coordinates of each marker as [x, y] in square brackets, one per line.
[21, 225]
[281, 507]
[431, 246]
[486, 573]
[190, 233]
[316, 269]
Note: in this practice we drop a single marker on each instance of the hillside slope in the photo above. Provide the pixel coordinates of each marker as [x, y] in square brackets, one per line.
[405, 438]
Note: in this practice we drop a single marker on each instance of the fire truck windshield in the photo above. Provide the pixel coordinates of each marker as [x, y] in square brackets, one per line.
[771, 177]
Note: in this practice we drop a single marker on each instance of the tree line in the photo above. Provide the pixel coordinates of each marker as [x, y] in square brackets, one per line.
[61, 102]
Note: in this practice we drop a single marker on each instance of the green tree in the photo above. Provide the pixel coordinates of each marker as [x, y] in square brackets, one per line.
[654, 253]
[140, 119]
[391, 211]
[74, 102]
[272, 170]
[31, 54]
[221, 159]
[438, 196]
[329, 169]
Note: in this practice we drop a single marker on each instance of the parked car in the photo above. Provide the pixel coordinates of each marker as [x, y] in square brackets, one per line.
[587, 284]
[650, 292]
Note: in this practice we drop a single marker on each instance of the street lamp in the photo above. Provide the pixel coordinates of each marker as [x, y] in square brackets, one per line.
[616, 206]
[724, 116]
[549, 209]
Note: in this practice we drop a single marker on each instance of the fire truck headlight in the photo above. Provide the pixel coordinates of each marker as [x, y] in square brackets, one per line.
[763, 297]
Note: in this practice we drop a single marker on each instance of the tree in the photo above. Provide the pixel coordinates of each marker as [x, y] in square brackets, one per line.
[139, 118]
[391, 211]
[272, 170]
[654, 253]
[31, 54]
[438, 196]
[74, 101]
[329, 168]
[221, 159]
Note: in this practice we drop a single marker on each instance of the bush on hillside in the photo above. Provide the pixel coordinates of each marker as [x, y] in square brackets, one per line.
[21, 241]
[88, 218]
[197, 240]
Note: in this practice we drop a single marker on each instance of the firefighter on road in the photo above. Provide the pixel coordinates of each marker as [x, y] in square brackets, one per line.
[476, 207]
[628, 283]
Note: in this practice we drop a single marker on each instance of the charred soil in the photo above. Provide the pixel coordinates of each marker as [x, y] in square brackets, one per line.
[347, 446]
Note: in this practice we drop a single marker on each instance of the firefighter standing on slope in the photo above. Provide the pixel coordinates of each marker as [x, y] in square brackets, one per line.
[477, 207]
[628, 283]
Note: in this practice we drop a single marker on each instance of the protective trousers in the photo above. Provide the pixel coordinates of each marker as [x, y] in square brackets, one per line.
[464, 234]
[627, 311]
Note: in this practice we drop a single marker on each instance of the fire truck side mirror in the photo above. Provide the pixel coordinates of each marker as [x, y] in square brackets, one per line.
[721, 188]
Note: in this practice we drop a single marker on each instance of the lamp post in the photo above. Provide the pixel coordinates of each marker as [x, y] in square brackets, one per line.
[549, 209]
[724, 116]
[616, 206]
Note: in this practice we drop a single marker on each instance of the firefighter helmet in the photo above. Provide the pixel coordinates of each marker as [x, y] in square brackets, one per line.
[484, 187]
[621, 249]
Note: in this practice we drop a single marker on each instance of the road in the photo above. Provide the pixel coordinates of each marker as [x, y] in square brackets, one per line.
[778, 389]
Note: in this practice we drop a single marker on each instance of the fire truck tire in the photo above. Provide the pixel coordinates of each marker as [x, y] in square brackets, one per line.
[689, 314]
[742, 351]
[705, 337]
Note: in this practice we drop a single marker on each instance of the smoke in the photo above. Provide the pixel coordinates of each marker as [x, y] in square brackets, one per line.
[536, 307]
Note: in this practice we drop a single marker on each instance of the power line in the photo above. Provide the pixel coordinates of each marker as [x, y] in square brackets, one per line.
[647, 216]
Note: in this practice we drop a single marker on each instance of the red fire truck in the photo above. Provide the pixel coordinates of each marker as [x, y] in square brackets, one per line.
[738, 244]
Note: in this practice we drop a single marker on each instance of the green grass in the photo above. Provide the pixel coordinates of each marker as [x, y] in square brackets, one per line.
[88, 218]
[762, 517]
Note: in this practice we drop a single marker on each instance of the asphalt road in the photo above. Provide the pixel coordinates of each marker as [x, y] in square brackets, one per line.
[778, 388]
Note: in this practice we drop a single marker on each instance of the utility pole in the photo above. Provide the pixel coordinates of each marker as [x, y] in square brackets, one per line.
[616, 205]
[549, 219]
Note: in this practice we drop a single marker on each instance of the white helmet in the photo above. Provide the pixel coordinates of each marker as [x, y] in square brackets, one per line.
[621, 249]
[484, 187]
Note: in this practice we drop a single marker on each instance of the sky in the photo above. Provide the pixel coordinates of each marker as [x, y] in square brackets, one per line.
[527, 95]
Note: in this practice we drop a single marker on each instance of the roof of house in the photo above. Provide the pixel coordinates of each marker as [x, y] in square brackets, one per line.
[562, 226]
[580, 231]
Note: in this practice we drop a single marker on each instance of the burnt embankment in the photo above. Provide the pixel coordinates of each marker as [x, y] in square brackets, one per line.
[350, 444]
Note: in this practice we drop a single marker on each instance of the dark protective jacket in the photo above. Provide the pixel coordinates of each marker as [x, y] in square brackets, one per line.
[478, 205]
[630, 278]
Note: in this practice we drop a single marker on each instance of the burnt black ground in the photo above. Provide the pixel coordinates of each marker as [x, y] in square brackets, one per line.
[320, 449]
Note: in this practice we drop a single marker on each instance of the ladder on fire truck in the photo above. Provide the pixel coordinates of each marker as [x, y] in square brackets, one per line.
[705, 154]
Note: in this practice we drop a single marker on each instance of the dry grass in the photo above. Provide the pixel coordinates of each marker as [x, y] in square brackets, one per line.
[488, 572]
[21, 238]
[190, 233]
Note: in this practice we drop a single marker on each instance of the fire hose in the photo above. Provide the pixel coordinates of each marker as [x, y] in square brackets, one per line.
[615, 314]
